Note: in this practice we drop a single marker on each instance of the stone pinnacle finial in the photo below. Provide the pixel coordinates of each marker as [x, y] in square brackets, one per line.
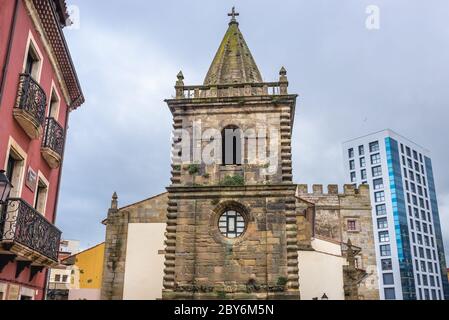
[180, 82]
[283, 72]
[283, 81]
[114, 202]
[180, 86]
[233, 14]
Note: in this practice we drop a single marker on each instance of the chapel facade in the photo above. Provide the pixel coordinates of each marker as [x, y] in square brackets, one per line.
[235, 223]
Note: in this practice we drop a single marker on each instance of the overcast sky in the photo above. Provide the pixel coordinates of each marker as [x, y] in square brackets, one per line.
[352, 81]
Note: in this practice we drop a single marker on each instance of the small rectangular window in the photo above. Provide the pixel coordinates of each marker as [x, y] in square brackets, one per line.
[374, 146]
[379, 196]
[387, 265]
[361, 150]
[429, 254]
[434, 294]
[353, 177]
[32, 63]
[362, 162]
[384, 236]
[377, 171]
[33, 60]
[15, 171]
[432, 280]
[416, 213]
[426, 293]
[417, 166]
[352, 165]
[385, 250]
[41, 197]
[418, 178]
[381, 209]
[421, 255]
[375, 159]
[352, 225]
[53, 106]
[409, 153]
[390, 294]
[363, 174]
[425, 280]
[388, 279]
[351, 153]
[418, 227]
[378, 184]
[382, 223]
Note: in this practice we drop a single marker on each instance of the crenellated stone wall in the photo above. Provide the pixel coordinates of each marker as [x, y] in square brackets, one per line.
[331, 212]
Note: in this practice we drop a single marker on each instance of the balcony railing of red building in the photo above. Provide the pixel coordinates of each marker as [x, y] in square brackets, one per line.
[27, 233]
[53, 143]
[30, 106]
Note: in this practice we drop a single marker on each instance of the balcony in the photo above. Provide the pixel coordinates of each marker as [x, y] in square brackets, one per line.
[53, 143]
[29, 110]
[27, 236]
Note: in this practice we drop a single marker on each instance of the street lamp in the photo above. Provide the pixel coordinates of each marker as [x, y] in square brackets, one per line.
[324, 297]
[5, 187]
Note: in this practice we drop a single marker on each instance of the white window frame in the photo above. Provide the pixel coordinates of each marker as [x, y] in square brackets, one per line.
[31, 43]
[16, 191]
[44, 180]
[54, 90]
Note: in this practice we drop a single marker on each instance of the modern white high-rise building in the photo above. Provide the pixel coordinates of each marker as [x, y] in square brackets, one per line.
[409, 245]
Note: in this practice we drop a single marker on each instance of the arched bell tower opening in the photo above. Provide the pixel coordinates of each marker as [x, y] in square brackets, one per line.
[231, 146]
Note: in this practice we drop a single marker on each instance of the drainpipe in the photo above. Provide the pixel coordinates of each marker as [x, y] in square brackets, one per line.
[8, 52]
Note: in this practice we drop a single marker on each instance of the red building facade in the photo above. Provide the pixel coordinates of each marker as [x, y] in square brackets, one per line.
[38, 90]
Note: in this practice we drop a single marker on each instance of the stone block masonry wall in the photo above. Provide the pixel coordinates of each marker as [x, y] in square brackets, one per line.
[151, 210]
[210, 266]
[333, 210]
[115, 254]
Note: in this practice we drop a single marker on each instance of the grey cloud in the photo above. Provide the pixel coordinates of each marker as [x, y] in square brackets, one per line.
[351, 82]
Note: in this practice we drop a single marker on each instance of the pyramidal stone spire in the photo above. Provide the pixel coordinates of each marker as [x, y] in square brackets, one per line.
[233, 62]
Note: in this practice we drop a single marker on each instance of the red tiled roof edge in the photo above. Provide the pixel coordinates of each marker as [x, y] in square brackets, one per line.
[50, 13]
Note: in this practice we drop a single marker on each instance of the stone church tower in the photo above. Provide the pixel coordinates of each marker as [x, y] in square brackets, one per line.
[232, 223]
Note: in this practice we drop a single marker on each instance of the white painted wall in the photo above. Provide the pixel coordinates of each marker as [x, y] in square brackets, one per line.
[144, 267]
[84, 294]
[321, 271]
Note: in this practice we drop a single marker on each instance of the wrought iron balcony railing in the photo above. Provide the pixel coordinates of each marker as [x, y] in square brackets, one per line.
[53, 143]
[24, 230]
[30, 106]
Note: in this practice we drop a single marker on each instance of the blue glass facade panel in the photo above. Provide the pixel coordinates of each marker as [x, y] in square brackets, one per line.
[400, 220]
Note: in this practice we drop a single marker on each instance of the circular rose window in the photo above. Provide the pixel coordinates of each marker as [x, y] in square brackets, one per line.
[231, 224]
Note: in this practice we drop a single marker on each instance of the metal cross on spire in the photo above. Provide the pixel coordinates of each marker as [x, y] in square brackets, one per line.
[233, 14]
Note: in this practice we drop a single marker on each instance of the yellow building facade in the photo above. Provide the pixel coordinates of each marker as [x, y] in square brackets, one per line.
[88, 271]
